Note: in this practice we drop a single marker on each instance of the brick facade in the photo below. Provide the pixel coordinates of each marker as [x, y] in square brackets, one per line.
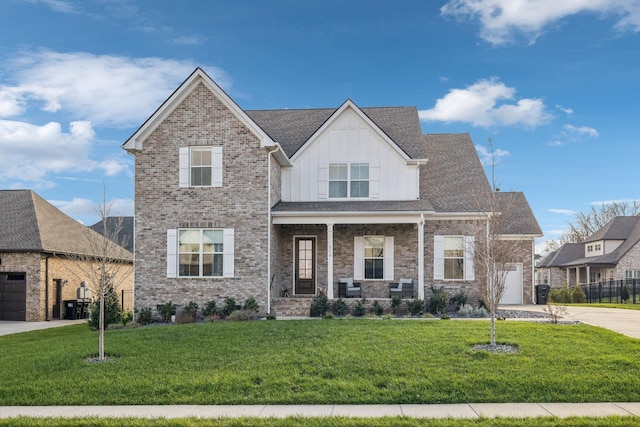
[241, 203]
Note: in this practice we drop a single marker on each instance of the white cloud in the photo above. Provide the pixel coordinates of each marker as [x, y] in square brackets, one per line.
[193, 39]
[107, 90]
[502, 20]
[487, 158]
[570, 134]
[81, 207]
[484, 104]
[567, 111]
[563, 211]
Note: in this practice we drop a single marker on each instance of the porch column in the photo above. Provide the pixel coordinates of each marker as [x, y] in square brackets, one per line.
[421, 258]
[568, 275]
[588, 274]
[577, 275]
[330, 261]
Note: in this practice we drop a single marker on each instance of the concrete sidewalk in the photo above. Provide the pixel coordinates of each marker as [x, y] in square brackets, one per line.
[470, 410]
[9, 327]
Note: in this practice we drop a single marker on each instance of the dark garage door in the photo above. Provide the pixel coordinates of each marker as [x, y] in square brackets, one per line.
[13, 296]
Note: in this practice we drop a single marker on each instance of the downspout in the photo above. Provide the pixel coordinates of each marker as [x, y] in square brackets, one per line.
[269, 228]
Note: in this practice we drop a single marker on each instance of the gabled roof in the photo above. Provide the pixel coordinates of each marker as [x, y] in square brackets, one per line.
[516, 215]
[619, 228]
[31, 224]
[123, 225]
[293, 128]
[453, 179]
[135, 141]
[566, 253]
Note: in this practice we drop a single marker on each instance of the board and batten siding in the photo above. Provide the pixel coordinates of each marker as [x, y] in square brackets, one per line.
[350, 140]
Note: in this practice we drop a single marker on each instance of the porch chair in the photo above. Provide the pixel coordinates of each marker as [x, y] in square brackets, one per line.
[348, 289]
[403, 289]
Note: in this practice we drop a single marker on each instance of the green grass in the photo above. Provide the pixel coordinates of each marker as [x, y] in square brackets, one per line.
[628, 306]
[327, 422]
[319, 362]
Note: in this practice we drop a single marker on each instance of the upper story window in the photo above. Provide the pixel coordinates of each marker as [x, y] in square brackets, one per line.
[590, 248]
[200, 166]
[349, 180]
[598, 247]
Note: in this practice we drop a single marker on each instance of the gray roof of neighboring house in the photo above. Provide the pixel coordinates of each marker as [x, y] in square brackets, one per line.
[119, 229]
[566, 253]
[453, 179]
[619, 228]
[516, 214]
[293, 128]
[31, 224]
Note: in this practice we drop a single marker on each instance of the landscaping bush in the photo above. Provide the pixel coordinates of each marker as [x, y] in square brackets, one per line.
[319, 306]
[185, 317]
[624, 294]
[229, 306]
[377, 308]
[339, 307]
[251, 305]
[480, 312]
[191, 309]
[458, 299]
[439, 300]
[144, 316]
[396, 302]
[127, 316]
[242, 315]
[210, 309]
[416, 307]
[562, 295]
[359, 309]
[112, 310]
[577, 295]
[465, 310]
[167, 310]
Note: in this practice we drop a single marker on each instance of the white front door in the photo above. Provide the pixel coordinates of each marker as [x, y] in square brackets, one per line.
[513, 285]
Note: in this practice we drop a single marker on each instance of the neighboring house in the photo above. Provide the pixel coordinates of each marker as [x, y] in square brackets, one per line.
[119, 229]
[40, 251]
[611, 253]
[235, 203]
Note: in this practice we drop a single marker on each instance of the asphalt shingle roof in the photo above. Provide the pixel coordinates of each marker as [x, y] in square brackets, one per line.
[516, 214]
[124, 236]
[355, 206]
[30, 223]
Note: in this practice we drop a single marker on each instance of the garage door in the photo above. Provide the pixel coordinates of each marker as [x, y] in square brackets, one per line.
[13, 296]
[513, 285]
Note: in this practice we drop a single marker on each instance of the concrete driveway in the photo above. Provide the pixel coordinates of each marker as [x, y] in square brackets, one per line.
[7, 327]
[626, 322]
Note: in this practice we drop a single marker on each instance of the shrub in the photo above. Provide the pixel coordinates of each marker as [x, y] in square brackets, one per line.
[439, 300]
[459, 299]
[210, 309]
[127, 316]
[562, 295]
[416, 307]
[624, 294]
[377, 308]
[185, 317]
[328, 315]
[144, 316]
[112, 310]
[229, 306]
[445, 317]
[465, 310]
[577, 295]
[191, 309]
[167, 310]
[319, 306]
[396, 302]
[479, 312]
[251, 305]
[359, 309]
[339, 307]
[271, 317]
[242, 315]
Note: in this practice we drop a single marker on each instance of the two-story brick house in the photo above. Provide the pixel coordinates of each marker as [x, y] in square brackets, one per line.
[233, 202]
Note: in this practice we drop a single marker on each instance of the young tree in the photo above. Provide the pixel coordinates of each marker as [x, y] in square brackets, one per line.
[104, 264]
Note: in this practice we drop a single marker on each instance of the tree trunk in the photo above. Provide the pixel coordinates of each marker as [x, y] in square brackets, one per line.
[101, 328]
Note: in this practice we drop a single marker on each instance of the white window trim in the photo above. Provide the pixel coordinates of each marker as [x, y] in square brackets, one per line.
[325, 173]
[228, 253]
[438, 259]
[388, 258]
[184, 166]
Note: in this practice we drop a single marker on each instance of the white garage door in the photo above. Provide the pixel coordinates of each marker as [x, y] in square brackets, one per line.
[513, 285]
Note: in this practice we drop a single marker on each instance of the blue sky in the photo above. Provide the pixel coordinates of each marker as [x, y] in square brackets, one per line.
[555, 85]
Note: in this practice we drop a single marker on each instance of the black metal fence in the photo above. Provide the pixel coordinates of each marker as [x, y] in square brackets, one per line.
[613, 291]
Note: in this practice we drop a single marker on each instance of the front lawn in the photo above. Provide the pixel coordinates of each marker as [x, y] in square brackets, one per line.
[628, 306]
[320, 362]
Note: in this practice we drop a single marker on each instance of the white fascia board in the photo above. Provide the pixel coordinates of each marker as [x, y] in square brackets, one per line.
[518, 236]
[458, 216]
[346, 218]
[350, 104]
[134, 143]
[279, 154]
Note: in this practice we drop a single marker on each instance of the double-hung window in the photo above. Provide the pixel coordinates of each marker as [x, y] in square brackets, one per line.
[348, 180]
[454, 257]
[374, 257]
[200, 253]
[200, 166]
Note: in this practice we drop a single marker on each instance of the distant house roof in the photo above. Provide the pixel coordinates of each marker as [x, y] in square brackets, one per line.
[566, 253]
[293, 128]
[31, 224]
[619, 228]
[119, 229]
